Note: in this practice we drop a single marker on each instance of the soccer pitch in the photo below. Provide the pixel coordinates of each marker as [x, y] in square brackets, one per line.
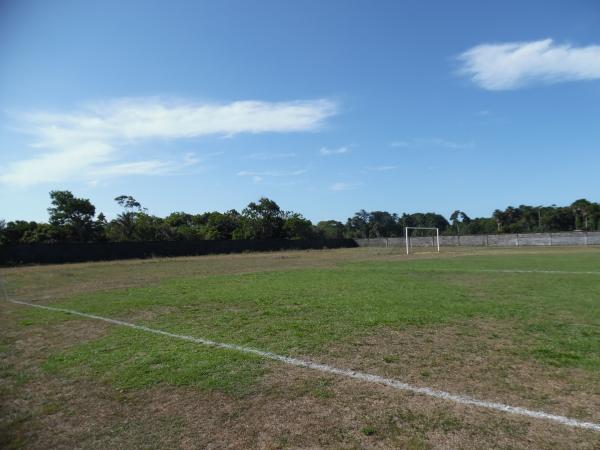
[472, 348]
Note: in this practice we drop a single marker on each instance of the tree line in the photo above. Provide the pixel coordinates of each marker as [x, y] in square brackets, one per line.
[73, 219]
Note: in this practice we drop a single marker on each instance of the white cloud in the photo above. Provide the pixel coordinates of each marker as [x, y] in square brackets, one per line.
[272, 173]
[340, 186]
[380, 168]
[270, 156]
[148, 167]
[333, 151]
[516, 64]
[432, 142]
[92, 142]
[152, 118]
[447, 144]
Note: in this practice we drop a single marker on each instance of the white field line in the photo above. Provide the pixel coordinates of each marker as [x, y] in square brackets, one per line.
[362, 376]
[550, 272]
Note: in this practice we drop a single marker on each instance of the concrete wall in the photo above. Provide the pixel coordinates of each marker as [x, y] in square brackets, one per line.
[492, 240]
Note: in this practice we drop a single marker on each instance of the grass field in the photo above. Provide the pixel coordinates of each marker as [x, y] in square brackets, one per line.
[516, 326]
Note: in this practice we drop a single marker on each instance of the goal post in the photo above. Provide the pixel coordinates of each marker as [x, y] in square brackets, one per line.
[436, 243]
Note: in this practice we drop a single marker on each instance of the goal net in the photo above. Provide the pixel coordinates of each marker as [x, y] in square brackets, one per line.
[422, 238]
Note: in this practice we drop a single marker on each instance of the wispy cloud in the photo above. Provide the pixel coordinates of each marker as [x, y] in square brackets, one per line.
[93, 142]
[325, 151]
[380, 168]
[259, 176]
[342, 186]
[272, 173]
[432, 142]
[447, 144]
[148, 167]
[516, 64]
[270, 156]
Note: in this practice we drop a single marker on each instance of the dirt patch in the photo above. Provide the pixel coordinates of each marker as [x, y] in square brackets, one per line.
[43, 411]
[398, 419]
[477, 359]
[289, 408]
[31, 344]
[147, 315]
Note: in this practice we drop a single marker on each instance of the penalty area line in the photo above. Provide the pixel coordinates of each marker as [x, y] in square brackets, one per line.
[356, 375]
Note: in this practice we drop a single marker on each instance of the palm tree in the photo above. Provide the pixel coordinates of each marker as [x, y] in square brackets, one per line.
[454, 219]
[500, 218]
[581, 207]
[126, 220]
[458, 217]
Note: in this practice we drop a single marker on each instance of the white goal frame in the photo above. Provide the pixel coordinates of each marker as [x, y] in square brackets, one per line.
[407, 237]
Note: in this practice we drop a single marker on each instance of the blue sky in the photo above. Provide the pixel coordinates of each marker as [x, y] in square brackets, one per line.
[325, 107]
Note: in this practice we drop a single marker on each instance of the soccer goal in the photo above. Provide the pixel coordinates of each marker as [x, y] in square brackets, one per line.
[422, 237]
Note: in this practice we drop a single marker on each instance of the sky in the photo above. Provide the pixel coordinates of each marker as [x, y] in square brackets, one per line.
[324, 107]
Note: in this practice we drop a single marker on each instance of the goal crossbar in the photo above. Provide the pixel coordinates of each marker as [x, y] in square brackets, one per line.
[407, 237]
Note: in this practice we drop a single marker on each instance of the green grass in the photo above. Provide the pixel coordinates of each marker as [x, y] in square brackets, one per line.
[129, 359]
[368, 431]
[547, 259]
[552, 318]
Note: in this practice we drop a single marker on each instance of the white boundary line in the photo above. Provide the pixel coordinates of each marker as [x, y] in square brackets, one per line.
[362, 376]
[550, 272]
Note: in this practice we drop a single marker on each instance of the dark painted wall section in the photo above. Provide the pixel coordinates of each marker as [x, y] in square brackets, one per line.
[104, 251]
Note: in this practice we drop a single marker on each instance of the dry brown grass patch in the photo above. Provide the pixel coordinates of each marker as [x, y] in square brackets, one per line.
[477, 358]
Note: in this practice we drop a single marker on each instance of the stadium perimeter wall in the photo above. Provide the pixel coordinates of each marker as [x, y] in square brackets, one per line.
[103, 251]
[492, 240]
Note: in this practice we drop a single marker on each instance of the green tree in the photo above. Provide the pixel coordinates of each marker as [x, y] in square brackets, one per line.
[500, 219]
[358, 226]
[129, 203]
[263, 220]
[221, 226]
[557, 218]
[15, 230]
[457, 218]
[331, 229]
[75, 215]
[100, 226]
[149, 228]
[595, 216]
[297, 227]
[123, 227]
[382, 224]
[182, 226]
[581, 210]
[42, 233]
